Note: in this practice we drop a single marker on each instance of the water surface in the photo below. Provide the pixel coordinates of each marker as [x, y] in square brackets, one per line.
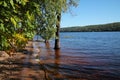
[84, 55]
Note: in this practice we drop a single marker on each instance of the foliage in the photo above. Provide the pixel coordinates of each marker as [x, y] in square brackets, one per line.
[20, 20]
[48, 20]
[50, 9]
[48, 33]
[94, 28]
[17, 22]
[19, 41]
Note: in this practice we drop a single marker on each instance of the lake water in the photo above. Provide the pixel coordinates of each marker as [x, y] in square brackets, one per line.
[84, 56]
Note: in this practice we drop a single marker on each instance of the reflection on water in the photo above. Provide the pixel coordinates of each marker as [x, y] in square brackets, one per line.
[57, 62]
[58, 66]
[47, 45]
[57, 54]
[84, 56]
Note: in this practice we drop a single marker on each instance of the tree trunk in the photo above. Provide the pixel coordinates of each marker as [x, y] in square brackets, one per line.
[46, 41]
[57, 39]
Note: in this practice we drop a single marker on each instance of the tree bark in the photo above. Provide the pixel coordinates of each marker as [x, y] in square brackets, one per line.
[46, 41]
[57, 39]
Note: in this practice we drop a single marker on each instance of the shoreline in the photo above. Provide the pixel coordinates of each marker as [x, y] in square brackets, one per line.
[21, 66]
[38, 62]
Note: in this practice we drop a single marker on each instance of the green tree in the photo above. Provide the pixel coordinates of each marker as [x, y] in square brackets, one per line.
[51, 17]
[47, 21]
[17, 22]
[62, 6]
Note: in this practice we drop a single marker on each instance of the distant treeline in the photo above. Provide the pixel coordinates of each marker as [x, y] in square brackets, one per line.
[93, 28]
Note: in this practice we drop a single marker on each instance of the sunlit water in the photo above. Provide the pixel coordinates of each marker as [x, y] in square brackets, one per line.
[84, 55]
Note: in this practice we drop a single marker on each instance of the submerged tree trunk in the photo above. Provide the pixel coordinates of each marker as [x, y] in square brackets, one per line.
[46, 41]
[57, 39]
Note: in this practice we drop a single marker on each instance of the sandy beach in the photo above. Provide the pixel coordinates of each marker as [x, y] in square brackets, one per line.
[21, 66]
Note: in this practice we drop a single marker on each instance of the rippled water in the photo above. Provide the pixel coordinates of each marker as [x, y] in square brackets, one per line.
[84, 55]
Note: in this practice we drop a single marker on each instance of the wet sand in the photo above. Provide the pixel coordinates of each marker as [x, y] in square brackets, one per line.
[21, 66]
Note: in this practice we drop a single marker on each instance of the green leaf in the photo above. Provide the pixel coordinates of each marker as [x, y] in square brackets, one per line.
[24, 2]
[18, 1]
[30, 16]
[2, 27]
[5, 4]
[15, 11]
[13, 21]
[1, 2]
[12, 4]
[1, 21]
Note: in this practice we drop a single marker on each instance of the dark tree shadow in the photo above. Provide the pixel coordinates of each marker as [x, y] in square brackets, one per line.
[10, 68]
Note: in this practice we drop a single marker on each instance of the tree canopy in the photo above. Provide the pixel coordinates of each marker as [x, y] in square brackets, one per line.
[17, 22]
[20, 20]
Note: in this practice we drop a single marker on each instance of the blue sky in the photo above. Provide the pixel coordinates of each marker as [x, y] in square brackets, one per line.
[90, 12]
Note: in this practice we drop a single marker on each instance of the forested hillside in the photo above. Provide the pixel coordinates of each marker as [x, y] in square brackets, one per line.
[93, 28]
